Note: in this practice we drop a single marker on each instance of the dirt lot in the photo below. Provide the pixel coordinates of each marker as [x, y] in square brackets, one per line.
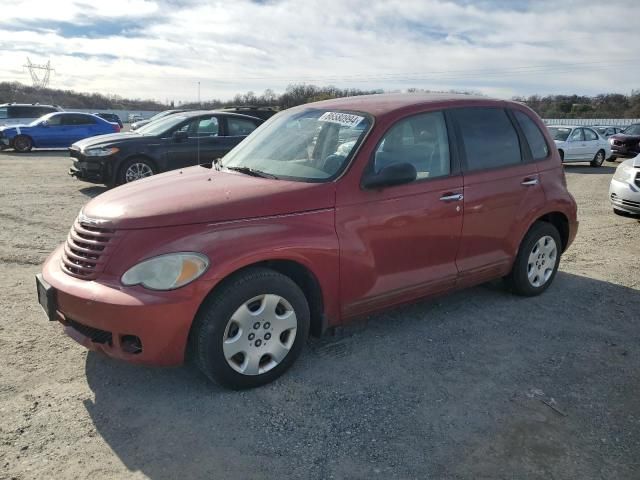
[479, 384]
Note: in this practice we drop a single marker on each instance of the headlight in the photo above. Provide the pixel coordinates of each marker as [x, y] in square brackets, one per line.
[625, 173]
[101, 152]
[167, 272]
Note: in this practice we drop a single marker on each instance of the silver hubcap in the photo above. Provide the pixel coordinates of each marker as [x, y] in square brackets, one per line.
[138, 171]
[542, 261]
[259, 334]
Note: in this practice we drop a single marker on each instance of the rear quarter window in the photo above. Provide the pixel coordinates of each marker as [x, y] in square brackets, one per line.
[535, 138]
[489, 138]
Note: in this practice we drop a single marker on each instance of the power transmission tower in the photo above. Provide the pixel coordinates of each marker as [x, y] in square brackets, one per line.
[39, 82]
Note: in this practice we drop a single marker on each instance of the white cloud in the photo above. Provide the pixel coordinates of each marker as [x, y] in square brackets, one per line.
[499, 48]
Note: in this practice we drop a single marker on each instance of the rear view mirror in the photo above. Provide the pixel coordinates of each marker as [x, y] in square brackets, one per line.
[394, 174]
[180, 135]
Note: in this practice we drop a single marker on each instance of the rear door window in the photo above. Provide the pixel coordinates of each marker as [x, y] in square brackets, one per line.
[489, 138]
[238, 127]
[3, 113]
[589, 134]
[535, 138]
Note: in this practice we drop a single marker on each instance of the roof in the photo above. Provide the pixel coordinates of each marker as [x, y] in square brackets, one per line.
[380, 104]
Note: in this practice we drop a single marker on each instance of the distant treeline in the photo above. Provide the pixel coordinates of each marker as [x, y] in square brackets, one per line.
[610, 105]
[606, 105]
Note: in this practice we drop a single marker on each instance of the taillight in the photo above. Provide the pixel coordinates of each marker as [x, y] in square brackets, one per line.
[116, 127]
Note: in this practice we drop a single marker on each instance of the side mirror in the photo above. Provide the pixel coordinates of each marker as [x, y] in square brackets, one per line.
[180, 135]
[394, 174]
[44, 123]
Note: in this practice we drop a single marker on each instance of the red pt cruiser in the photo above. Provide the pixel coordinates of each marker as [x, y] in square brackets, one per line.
[328, 211]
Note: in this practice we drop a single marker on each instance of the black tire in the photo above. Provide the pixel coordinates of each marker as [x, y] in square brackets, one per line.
[121, 177]
[517, 281]
[22, 143]
[208, 331]
[598, 160]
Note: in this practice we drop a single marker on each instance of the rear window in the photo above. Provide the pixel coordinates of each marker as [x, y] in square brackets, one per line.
[240, 126]
[3, 113]
[28, 111]
[535, 138]
[489, 138]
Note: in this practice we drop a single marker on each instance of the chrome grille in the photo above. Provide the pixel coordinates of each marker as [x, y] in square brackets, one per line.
[87, 250]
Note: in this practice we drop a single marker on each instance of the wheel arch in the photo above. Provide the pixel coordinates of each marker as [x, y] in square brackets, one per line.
[300, 274]
[117, 169]
[558, 220]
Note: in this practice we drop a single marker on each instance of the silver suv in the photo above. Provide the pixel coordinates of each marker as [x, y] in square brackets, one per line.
[22, 113]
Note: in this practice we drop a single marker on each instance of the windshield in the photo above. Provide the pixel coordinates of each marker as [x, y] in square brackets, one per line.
[632, 130]
[310, 145]
[160, 115]
[161, 126]
[559, 133]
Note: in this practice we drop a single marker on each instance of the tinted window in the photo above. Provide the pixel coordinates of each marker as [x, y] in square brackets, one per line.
[55, 120]
[206, 127]
[488, 137]
[420, 140]
[23, 112]
[577, 135]
[240, 126]
[40, 111]
[534, 136]
[78, 119]
[590, 134]
[3, 113]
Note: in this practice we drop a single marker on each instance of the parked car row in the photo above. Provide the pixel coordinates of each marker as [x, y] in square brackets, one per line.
[326, 212]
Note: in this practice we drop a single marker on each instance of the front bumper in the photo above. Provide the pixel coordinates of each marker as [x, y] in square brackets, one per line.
[624, 196]
[94, 171]
[624, 151]
[102, 314]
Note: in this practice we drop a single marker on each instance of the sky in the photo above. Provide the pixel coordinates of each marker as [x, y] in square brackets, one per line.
[161, 49]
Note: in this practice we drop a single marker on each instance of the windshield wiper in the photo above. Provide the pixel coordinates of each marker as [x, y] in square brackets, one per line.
[253, 172]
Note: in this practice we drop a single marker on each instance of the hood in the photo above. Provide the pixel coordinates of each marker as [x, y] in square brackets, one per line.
[633, 162]
[202, 195]
[625, 138]
[108, 139]
[139, 123]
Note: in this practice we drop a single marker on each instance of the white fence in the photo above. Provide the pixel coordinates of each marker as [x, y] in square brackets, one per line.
[621, 122]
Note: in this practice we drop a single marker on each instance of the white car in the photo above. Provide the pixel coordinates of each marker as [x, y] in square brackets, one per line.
[24, 113]
[580, 144]
[624, 190]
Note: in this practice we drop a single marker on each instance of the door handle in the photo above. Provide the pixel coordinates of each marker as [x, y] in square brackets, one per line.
[529, 181]
[453, 197]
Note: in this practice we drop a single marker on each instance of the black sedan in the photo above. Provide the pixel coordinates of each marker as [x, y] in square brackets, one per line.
[180, 140]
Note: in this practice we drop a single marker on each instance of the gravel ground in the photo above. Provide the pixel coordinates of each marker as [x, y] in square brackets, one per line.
[478, 384]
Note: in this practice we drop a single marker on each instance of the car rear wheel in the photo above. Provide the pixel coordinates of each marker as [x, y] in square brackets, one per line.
[537, 261]
[598, 160]
[22, 144]
[251, 329]
[135, 169]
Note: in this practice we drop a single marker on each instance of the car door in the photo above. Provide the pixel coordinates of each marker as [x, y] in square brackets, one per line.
[55, 131]
[80, 127]
[200, 142]
[592, 143]
[576, 147]
[500, 189]
[399, 243]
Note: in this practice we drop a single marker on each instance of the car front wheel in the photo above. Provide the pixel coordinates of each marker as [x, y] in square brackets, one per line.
[22, 144]
[135, 169]
[251, 329]
[537, 261]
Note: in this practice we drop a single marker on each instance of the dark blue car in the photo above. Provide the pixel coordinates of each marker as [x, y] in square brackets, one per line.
[55, 130]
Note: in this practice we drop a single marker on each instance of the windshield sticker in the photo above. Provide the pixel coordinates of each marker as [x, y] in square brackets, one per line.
[344, 119]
